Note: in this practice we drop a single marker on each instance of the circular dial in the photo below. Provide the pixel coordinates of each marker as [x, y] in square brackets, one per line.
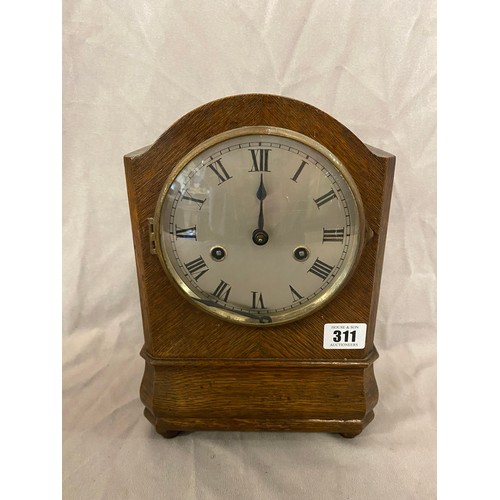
[259, 225]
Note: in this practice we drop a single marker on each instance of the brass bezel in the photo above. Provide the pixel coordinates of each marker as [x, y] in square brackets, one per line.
[238, 318]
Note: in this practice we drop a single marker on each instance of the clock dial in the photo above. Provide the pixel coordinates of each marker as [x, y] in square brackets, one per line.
[259, 225]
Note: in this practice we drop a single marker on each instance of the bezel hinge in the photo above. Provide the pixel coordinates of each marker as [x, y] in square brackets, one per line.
[152, 239]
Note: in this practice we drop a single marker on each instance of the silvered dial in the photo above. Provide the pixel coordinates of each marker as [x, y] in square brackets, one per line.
[259, 225]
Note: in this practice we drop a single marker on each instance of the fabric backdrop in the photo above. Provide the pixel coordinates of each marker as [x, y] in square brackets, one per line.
[131, 68]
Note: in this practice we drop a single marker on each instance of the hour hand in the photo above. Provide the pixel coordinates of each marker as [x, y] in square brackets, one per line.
[261, 192]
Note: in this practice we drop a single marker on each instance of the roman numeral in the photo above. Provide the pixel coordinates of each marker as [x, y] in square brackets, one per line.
[302, 165]
[188, 197]
[319, 268]
[189, 232]
[197, 268]
[325, 198]
[260, 159]
[222, 291]
[218, 169]
[333, 235]
[295, 295]
[257, 301]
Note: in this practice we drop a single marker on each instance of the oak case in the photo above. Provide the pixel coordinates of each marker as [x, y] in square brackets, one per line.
[203, 373]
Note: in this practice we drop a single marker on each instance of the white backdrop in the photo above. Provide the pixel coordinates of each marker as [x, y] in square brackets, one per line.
[131, 68]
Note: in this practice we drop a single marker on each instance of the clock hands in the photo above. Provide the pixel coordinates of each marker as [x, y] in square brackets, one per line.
[259, 236]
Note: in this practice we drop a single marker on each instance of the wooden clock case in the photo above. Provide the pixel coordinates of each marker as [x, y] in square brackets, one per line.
[202, 373]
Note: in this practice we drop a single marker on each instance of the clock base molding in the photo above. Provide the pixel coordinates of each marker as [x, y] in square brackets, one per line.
[336, 396]
[346, 428]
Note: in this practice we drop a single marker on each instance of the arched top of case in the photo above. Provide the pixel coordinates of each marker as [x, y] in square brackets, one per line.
[263, 110]
[367, 165]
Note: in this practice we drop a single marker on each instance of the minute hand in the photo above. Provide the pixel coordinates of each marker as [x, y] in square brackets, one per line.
[261, 195]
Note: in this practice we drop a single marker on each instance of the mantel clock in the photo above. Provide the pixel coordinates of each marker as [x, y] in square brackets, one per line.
[259, 225]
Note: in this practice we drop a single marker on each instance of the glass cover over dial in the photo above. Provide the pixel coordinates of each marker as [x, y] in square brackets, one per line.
[259, 225]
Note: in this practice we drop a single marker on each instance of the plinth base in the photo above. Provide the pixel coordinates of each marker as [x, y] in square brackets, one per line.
[346, 428]
[259, 395]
